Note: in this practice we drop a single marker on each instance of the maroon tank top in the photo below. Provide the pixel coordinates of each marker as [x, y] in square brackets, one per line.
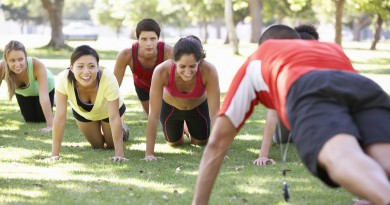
[143, 76]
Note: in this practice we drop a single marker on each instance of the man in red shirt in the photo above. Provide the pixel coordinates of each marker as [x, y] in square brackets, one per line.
[339, 118]
[142, 58]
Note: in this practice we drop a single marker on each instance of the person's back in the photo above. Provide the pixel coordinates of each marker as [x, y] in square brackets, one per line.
[339, 118]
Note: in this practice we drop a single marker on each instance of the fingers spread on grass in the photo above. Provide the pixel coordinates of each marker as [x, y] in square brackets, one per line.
[118, 159]
[52, 158]
[151, 158]
[46, 129]
[263, 161]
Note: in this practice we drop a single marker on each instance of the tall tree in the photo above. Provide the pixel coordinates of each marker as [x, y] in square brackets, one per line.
[110, 13]
[255, 11]
[378, 8]
[23, 11]
[54, 9]
[231, 26]
[339, 4]
[359, 23]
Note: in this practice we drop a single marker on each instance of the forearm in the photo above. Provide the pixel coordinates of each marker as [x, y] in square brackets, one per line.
[47, 110]
[269, 130]
[211, 162]
[57, 135]
[117, 135]
[151, 133]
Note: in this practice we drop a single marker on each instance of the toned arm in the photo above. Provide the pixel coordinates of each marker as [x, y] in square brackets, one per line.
[59, 123]
[219, 143]
[123, 60]
[116, 127]
[40, 74]
[159, 79]
[210, 79]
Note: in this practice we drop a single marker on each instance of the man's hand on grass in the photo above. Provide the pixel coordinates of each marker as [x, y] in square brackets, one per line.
[263, 161]
[151, 158]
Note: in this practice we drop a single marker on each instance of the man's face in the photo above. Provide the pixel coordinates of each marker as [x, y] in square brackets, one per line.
[148, 43]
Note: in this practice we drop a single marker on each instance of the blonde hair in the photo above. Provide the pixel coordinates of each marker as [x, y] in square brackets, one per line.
[9, 76]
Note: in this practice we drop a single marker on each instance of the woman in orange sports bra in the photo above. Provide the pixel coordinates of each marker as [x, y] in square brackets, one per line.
[184, 89]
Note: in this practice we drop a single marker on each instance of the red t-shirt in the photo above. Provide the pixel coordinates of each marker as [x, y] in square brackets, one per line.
[269, 72]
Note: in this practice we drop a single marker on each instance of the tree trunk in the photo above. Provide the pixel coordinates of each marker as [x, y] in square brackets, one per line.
[218, 25]
[339, 20]
[358, 24]
[255, 11]
[206, 31]
[378, 29]
[55, 16]
[230, 26]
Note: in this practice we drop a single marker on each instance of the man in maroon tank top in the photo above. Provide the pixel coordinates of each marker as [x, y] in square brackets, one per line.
[142, 57]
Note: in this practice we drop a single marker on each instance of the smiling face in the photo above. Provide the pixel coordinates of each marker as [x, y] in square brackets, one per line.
[187, 66]
[16, 61]
[85, 70]
[148, 43]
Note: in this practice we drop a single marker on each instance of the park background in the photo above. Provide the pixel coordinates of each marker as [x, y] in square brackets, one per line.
[229, 30]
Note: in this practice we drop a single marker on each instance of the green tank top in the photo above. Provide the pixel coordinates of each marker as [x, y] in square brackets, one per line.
[32, 88]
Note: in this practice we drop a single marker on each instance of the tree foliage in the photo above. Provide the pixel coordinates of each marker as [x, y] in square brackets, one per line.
[25, 12]
[78, 10]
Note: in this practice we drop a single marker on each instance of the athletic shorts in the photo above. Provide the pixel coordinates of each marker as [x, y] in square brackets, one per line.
[143, 95]
[322, 104]
[80, 118]
[197, 119]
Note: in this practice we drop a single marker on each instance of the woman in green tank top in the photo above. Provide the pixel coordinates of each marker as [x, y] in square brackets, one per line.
[32, 84]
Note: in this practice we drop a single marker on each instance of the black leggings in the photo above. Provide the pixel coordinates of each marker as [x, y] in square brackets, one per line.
[31, 107]
[197, 119]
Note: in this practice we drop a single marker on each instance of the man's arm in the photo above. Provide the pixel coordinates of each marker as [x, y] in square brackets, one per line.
[122, 61]
[269, 130]
[219, 143]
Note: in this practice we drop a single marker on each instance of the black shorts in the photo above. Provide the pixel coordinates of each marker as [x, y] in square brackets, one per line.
[322, 104]
[197, 120]
[143, 95]
[31, 107]
[80, 118]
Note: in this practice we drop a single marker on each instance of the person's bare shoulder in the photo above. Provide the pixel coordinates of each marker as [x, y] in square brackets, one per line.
[125, 55]
[162, 70]
[168, 51]
[207, 66]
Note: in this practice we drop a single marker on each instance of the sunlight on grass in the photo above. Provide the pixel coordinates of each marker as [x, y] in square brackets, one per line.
[253, 150]
[87, 176]
[22, 171]
[6, 135]
[31, 193]
[12, 125]
[161, 148]
[17, 154]
[252, 190]
[75, 144]
[247, 137]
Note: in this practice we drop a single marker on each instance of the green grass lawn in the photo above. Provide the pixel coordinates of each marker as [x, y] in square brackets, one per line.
[86, 176]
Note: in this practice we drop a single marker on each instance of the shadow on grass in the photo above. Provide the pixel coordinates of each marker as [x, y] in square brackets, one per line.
[87, 176]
